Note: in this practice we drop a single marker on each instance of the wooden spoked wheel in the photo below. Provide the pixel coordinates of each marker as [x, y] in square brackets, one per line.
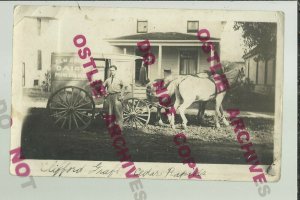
[136, 113]
[71, 108]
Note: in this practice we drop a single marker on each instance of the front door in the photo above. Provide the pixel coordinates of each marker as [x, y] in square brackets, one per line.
[138, 65]
[101, 67]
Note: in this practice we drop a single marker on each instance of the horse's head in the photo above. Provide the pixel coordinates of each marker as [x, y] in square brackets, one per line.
[151, 90]
[159, 84]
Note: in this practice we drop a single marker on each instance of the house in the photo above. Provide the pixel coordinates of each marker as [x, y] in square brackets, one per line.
[41, 31]
[260, 72]
[35, 38]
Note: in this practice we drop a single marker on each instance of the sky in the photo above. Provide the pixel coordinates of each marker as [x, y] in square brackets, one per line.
[232, 46]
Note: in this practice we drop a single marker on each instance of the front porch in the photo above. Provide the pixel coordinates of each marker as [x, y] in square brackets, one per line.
[176, 54]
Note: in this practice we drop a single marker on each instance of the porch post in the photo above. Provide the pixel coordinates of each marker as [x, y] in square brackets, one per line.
[159, 60]
[211, 55]
[217, 50]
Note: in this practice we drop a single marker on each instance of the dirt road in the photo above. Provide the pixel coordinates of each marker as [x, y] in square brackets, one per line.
[41, 140]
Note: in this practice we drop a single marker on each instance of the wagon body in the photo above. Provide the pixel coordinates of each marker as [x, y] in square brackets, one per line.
[71, 104]
[67, 70]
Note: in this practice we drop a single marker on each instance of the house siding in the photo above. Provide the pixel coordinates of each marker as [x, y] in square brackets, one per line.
[202, 63]
[153, 69]
[26, 51]
[261, 72]
[247, 68]
[252, 70]
[170, 60]
[271, 72]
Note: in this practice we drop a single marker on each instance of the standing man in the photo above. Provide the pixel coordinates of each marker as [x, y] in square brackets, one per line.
[115, 90]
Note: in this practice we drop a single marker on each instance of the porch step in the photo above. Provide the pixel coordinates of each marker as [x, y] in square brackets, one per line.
[139, 92]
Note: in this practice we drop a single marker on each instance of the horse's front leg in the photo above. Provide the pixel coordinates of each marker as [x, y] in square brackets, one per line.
[172, 115]
[225, 121]
[217, 114]
[171, 119]
[158, 116]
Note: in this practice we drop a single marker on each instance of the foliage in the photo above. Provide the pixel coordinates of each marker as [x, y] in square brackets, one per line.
[46, 84]
[242, 92]
[258, 36]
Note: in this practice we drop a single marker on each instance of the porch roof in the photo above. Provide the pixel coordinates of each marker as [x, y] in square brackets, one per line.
[159, 38]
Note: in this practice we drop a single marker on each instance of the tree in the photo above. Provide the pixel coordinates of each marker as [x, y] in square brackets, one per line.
[259, 37]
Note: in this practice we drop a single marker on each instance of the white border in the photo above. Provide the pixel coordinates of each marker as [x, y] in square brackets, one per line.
[289, 104]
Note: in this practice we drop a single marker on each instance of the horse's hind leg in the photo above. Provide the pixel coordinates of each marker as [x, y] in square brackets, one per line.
[225, 121]
[182, 108]
[218, 109]
[178, 101]
[201, 111]
[219, 100]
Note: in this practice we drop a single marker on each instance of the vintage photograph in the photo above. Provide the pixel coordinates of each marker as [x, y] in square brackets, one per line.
[160, 87]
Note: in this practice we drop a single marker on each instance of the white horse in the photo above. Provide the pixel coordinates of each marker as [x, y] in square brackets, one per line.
[194, 88]
[171, 84]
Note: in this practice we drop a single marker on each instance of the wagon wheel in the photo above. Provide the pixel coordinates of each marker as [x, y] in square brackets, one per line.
[136, 113]
[71, 108]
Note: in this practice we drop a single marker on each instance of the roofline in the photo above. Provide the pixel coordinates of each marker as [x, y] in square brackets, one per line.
[99, 55]
[251, 53]
[159, 42]
[156, 41]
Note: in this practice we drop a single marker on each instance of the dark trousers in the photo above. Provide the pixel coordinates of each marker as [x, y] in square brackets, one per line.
[115, 107]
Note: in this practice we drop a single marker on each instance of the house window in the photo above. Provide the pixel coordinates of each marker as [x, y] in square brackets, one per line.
[39, 60]
[39, 25]
[188, 62]
[35, 82]
[192, 26]
[142, 26]
[23, 74]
